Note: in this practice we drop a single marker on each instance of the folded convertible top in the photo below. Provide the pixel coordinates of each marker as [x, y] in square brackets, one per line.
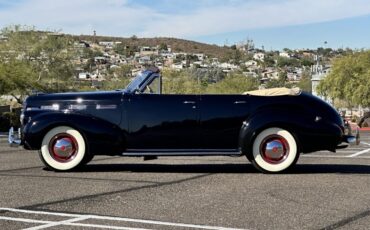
[274, 92]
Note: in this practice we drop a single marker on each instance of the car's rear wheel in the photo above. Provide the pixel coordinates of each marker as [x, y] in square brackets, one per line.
[274, 150]
[63, 148]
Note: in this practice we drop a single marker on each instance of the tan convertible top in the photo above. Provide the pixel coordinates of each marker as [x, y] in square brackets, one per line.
[274, 92]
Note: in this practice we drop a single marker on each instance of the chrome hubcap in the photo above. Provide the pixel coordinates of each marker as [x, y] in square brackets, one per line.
[63, 147]
[274, 149]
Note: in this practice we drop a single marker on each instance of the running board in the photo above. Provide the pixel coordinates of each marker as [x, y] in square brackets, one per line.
[177, 152]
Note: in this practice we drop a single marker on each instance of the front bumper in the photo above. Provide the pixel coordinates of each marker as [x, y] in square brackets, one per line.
[13, 138]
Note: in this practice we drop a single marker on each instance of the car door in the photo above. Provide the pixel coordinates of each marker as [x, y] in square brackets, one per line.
[221, 117]
[159, 121]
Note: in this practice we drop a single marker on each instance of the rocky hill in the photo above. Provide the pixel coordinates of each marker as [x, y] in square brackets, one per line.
[177, 45]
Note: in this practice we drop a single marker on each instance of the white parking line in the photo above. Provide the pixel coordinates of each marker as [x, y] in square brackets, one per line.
[333, 156]
[365, 143]
[64, 222]
[77, 217]
[359, 153]
[32, 221]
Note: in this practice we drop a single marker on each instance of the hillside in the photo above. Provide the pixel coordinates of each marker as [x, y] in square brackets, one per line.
[177, 45]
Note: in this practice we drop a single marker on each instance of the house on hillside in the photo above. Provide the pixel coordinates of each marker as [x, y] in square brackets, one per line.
[284, 54]
[145, 60]
[84, 76]
[259, 56]
[178, 66]
[251, 63]
[148, 51]
[270, 74]
[200, 57]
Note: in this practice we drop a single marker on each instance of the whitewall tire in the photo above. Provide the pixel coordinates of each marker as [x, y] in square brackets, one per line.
[63, 148]
[274, 150]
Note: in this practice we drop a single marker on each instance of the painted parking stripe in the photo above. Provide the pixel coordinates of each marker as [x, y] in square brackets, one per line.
[58, 223]
[122, 219]
[334, 156]
[32, 221]
[359, 153]
[365, 143]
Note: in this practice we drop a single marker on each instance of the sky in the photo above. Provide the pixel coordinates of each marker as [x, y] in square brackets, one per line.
[272, 24]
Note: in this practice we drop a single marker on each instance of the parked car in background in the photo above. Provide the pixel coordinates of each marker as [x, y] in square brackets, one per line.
[271, 128]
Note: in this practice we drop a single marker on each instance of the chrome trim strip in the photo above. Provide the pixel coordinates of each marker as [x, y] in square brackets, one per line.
[77, 107]
[32, 108]
[139, 154]
[50, 107]
[106, 106]
[181, 152]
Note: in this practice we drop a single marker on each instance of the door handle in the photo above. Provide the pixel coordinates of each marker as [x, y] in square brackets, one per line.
[240, 102]
[189, 102]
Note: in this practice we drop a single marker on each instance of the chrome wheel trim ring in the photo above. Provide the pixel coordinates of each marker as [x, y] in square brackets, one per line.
[274, 149]
[63, 147]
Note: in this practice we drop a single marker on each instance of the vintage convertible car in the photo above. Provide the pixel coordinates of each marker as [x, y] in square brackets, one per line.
[270, 127]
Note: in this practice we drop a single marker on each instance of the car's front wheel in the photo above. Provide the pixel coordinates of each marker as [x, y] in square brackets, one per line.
[274, 150]
[63, 148]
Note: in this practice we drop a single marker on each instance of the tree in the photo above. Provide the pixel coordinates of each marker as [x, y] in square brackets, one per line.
[349, 79]
[307, 62]
[305, 83]
[268, 61]
[123, 72]
[233, 84]
[33, 60]
[179, 82]
[285, 62]
[163, 46]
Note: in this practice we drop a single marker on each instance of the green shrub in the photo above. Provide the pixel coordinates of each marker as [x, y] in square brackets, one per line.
[9, 119]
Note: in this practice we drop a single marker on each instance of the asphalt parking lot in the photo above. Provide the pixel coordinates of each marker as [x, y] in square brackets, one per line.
[324, 191]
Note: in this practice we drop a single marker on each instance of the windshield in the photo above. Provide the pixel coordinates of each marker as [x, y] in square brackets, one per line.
[137, 81]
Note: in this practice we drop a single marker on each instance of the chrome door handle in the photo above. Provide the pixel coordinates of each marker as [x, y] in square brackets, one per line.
[240, 102]
[189, 102]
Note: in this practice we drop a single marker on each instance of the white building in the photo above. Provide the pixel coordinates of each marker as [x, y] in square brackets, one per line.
[251, 63]
[284, 54]
[259, 56]
[84, 76]
[319, 72]
[200, 57]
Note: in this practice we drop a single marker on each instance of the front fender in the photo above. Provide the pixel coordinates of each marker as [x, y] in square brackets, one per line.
[102, 137]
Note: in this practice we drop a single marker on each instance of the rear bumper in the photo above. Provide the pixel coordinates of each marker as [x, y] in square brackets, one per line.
[349, 140]
[14, 138]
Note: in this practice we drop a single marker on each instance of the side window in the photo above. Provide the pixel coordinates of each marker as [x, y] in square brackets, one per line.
[154, 87]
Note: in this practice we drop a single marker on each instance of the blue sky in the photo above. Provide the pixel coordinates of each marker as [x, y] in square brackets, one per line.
[274, 24]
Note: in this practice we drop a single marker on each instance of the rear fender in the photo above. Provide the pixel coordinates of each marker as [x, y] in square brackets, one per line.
[102, 137]
[267, 119]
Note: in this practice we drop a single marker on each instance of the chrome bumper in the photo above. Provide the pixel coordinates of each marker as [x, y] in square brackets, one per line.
[351, 140]
[13, 139]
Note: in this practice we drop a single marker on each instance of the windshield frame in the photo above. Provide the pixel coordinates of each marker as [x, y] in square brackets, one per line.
[140, 81]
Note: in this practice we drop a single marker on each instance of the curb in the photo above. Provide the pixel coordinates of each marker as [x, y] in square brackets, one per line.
[365, 129]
